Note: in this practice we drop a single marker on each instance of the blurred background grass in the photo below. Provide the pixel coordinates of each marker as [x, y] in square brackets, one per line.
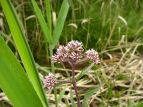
[99, 24]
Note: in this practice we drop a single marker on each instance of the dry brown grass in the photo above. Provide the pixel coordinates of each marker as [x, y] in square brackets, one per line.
[118, 79]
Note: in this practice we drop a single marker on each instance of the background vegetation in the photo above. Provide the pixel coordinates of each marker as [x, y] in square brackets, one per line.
[113, 27]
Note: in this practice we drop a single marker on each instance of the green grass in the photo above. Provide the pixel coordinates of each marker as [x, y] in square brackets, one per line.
[103, 16]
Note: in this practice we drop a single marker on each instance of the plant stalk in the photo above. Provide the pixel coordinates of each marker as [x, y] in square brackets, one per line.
[52, 69]
[75, 85]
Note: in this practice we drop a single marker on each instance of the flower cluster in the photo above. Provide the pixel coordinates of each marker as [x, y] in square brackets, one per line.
[92, 55]
[60, 56]
[49, 81]
[73, 52]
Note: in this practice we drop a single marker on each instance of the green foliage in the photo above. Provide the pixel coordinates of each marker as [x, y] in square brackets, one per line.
[72, 99]
[23, 48]
[14, 81]
[88, 95]
[83, 72]
[48, 14]
[60, 22]
[46, 29]
[140, 104]
[104, 23]
[59, 99]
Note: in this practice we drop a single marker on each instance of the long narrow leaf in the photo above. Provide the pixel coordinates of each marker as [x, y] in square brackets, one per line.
[23, 48]
[60, 22]
[14, 81]
[72, 99]
[48, 14]
[61, 96]
[42, 22]
[87, 96]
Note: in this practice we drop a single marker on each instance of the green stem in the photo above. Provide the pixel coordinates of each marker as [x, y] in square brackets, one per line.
[52, 69]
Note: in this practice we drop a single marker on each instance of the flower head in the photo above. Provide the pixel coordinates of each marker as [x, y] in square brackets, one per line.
[92, 55]
[75, 46]
[49, 81]
[72, 52]
[61, 55]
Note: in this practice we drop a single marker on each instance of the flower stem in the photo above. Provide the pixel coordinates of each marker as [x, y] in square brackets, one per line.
[52, 69]
[75, 85]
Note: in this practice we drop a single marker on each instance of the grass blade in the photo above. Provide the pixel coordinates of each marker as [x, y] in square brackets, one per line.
[83, 72]
[87, 96]
[60, 22]
[48, 15]
[23, 48]
[42, 22]
[14, 81]
[72, 99]
[61, 96]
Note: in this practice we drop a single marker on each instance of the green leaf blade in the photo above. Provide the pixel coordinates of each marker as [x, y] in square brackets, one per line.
[42, 22]
[48, 15]
[23, 48]
[14, 82]
[60, 23]
[87, 96]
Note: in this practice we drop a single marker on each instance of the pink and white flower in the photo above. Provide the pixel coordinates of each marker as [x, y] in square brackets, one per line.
[49, 81]
[93, 55]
